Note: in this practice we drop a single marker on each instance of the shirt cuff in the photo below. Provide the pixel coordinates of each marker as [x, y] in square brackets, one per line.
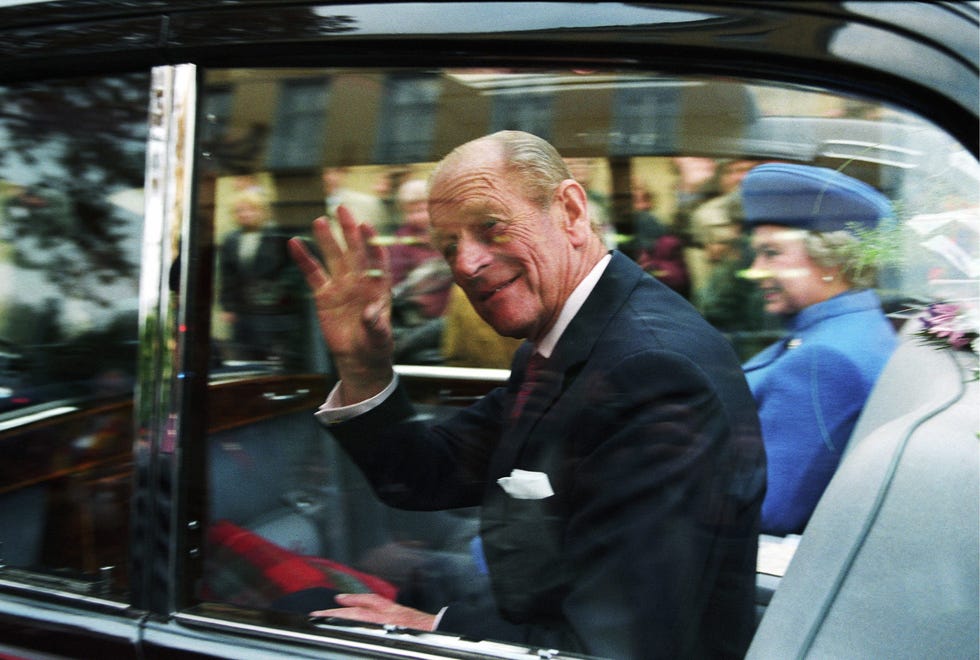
[332, 412]
[439, 615]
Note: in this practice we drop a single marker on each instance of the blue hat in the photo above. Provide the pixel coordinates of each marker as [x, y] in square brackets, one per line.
[810, 198]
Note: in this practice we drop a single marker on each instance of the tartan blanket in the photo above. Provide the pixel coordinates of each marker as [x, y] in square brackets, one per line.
[246, 569]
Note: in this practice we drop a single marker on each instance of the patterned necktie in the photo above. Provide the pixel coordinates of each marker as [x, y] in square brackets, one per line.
[532, 374]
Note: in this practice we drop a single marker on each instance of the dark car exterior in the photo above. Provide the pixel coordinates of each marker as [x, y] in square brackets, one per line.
[129, 425]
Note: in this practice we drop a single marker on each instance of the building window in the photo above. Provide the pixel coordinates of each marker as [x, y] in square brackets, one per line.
[298, 133]
[407, 123]
[644, 120]
[522, 111]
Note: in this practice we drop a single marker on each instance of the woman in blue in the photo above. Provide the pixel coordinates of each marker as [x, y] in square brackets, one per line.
[811, 386]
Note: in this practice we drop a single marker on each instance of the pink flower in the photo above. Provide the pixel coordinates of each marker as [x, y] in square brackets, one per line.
[947, 325]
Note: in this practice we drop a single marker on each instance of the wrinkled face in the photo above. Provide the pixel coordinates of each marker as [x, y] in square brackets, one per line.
[789, 278]
[511, 257]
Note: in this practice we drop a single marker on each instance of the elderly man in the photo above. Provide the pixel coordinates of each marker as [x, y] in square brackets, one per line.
[620, 470]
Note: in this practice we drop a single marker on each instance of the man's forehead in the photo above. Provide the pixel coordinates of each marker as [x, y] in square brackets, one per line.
[475, 188]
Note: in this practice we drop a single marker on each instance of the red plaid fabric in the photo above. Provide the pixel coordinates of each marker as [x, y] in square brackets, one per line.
[246, 569]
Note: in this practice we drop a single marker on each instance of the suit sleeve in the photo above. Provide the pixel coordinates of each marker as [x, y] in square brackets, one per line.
[411, 465]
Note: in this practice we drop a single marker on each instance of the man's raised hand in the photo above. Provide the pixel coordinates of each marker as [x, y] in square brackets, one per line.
[352, 293]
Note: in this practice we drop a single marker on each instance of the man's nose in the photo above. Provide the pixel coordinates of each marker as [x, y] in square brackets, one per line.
[472, 256]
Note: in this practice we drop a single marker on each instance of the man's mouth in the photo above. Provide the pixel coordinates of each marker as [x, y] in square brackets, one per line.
[486, 294]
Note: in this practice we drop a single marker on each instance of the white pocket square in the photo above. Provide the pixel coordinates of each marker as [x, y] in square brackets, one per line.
[525, 485]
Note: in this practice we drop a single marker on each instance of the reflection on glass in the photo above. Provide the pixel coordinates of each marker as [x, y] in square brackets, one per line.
[662, 160]
[71, 166]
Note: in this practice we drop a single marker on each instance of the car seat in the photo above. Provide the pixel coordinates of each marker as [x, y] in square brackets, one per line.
[888, 564]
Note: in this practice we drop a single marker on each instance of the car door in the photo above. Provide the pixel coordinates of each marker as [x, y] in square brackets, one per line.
[162, 468]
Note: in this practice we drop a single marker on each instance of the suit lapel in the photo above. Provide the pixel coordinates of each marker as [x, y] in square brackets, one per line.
[570, 354]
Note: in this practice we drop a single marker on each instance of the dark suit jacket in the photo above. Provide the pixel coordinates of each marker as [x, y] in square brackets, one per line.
[269, 283]
[649, 437]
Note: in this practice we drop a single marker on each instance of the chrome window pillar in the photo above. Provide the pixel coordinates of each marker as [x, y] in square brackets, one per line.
[161, 542]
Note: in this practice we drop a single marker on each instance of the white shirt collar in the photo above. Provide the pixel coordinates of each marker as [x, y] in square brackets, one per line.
[571, 307]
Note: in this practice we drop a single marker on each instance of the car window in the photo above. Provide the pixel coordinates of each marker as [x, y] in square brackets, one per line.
[72, 156]
[662, 159]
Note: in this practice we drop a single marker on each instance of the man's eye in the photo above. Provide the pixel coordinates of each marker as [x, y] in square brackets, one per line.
[447, 249]
[493, 229]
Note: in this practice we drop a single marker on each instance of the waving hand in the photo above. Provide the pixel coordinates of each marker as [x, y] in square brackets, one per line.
[352, 293]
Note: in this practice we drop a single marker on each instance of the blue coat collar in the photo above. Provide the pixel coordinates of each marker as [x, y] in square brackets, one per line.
[846, 303]
[849, 302]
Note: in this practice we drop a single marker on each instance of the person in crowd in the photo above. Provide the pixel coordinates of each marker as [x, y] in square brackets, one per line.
[665, 261]
[385, 189]
[646, 226]
[421, 280]
[584, 170]
[367, 207]
[696, 182]
[260, 289]
[412, 245]
[811, 385]
[468, 341]
[716, 216]
[730, 302]
[653, 247]
[620, 470]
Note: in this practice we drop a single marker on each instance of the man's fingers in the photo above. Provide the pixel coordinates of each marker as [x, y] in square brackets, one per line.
[373, 601]
[361, 607]
[352, 231]
[307, 263]
[373, 608]
[377, 255]
[333, 254]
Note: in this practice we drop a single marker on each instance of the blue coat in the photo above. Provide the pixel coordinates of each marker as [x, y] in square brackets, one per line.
[646, 430]
[810, 388]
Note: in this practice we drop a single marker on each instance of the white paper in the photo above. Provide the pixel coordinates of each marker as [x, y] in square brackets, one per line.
[526, 485]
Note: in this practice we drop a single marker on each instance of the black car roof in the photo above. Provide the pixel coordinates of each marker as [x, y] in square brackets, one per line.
[921, 56]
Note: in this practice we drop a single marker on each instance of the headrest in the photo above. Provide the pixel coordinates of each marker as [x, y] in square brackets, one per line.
[810, 198]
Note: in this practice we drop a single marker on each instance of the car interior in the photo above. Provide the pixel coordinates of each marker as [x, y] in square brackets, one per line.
[896, 525]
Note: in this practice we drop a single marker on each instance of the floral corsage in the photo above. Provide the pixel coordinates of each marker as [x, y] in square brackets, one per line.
[952, 326]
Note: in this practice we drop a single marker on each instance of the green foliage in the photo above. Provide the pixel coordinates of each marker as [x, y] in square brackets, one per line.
[876, 248]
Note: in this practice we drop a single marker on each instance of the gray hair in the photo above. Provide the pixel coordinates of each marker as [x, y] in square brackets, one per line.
[535, 162]
[839, 249]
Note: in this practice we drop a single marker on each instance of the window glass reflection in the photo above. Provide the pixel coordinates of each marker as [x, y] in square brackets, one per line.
[663, 163]
[72, 156]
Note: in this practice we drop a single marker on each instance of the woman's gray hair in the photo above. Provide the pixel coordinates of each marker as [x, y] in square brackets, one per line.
[841, 249]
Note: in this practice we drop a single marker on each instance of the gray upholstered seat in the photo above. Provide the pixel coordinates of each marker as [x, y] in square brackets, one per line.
[888, 565]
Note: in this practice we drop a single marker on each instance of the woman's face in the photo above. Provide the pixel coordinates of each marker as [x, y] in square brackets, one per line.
[788, 277]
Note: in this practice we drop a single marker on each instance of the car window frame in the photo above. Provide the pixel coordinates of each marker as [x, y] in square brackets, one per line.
[192, 47]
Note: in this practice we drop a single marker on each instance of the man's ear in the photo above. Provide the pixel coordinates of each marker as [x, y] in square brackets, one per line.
[575, 205]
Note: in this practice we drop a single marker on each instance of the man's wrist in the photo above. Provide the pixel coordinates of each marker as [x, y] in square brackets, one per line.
[333, 410]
